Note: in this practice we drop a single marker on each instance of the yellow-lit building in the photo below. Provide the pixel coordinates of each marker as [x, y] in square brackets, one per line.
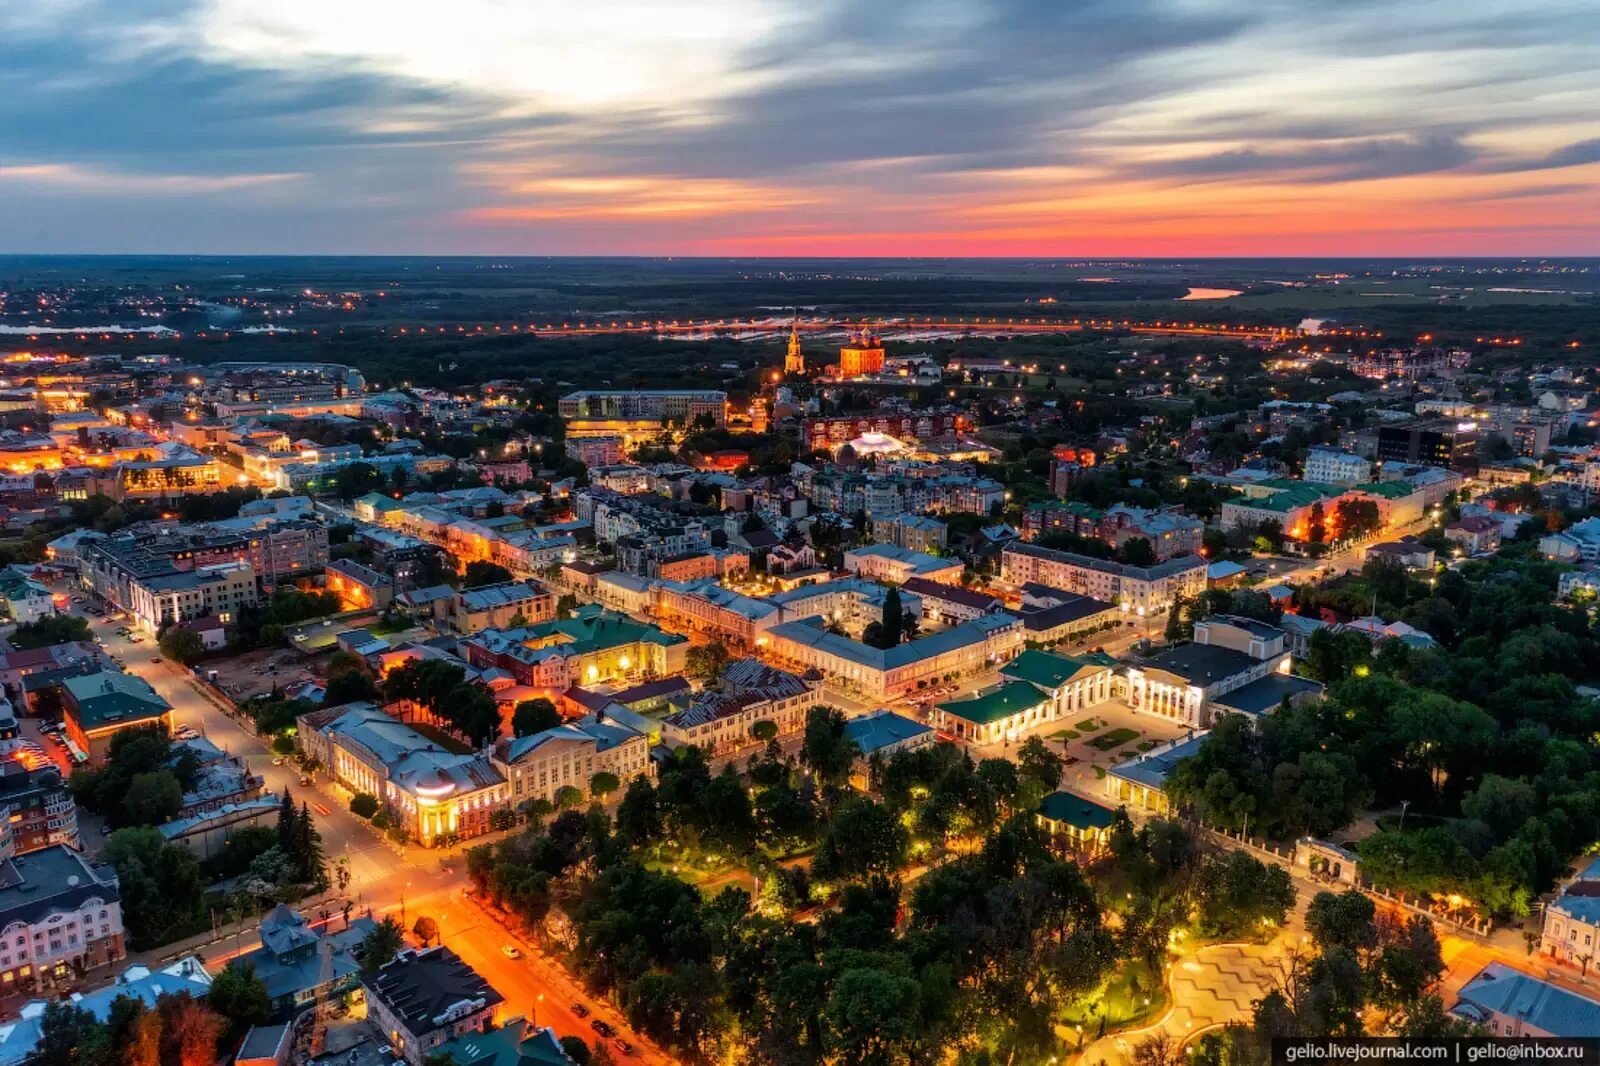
[863, 355]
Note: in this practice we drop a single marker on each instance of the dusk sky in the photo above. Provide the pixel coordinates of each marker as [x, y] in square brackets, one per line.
[795, 127]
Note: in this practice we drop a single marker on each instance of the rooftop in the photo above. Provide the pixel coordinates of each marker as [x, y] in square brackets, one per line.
[1050, 671]
[1498, 989]
[423, 987]
[996, 704]
[881, 729]
[1076, 811]
[1199, 664]
[1261, 696]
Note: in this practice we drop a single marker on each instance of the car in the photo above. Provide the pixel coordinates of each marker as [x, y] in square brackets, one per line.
[510, 951]
[278, 761]
[602, 1028]
[105, 830]
[136, 639]
[623, 1046]
[155, 660]
[579, 1009]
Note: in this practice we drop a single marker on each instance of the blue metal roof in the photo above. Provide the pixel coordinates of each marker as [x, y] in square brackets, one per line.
[1499, 989]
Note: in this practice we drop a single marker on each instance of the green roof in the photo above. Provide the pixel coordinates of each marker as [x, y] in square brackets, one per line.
[1389, 490]
[1075, 506]
[109, 697]
[596, 631]
[513, 1044]
[1051, 671]
[1076, 811]
[999, 703]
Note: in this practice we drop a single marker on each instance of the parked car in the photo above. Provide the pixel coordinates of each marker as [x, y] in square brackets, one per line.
[155, 660]
[623, 1046]
[602, 1028]
[510, 951]
[579, 1009]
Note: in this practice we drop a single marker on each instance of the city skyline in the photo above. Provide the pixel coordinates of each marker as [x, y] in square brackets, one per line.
[1156, 128]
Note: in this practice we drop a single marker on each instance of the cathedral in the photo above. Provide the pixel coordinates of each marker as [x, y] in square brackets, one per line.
[863, 355]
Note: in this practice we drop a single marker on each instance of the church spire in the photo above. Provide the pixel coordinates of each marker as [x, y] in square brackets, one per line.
[794, 362]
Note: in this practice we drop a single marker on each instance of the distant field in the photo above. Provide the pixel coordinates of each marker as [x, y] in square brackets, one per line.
[1401, 292]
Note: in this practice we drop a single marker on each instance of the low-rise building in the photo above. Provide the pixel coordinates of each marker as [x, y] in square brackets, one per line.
[950, 604]
[515, 1043]
[917, 533]
[1076, 824]
[19, 1037]
[886, 562]
[428, 791]
[359, 587]
[1228, 653]
[422, 999]
[881, 735]
[1141, 782]
[1142, 590]
[1072, 683]
[995, 714]
[299, 963]
[98, 706]
[503, 605]
[60, 915]
[1476, 534]
[1510, 1003]
[569, 755]
[878, 673]
[1331, 466]
[706, 607]
[26, 600]
[722, 721]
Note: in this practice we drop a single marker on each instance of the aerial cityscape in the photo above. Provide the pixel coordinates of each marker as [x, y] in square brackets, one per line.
[889, 535]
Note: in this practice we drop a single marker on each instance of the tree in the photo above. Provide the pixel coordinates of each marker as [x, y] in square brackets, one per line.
[1342, 920]
[574, 1047]
[862, 838]
[381, 944]
[479, 573]
[603, 784]
[240, 996]
[534, 716]
[182, 645]
[765, 731]
[349, 680]
[568, 797]
[1316, 525]
[69, 1035]
[190, 1031]
[153, 798]
[1136, 551]
[1040, 766]
[827, 749]
[872, 1016]
[48, 631]
[1239, 894]
[706, 662]
[426, 930]
[364, 805]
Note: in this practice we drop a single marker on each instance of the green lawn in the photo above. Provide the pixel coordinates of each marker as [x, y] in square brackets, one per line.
[1146, 745]
[1088, 725]
[1115, 738]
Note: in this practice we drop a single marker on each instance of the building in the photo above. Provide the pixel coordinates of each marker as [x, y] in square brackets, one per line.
[1061, 616]
[206, 833]
[221, 591]
[862, 356]
[916, 533]
[706, 607]
[502, 606]
[1510, 1003]
[1329, 466]
[60, 915]
[879, 673]
[1575, 583]
[515, 1043]
[423, 999]
[880, 736]
[949, 604]
[98, 706]
[752, 692]
[38, 806]
[539, 766]
[995, 714]
[831, 432]
[678, 406]
[794, 360]
[265, 1045]
[1139, 590]
[1453, 445]
[428, 791]
[1408, 552]
[1228, 653]
[26, 600]
[19, 1037]
[299, 963]
[886, 562]
[1072, 683]
[1477, 534]
[359, 587]
[1141, 782]
[1076, 824]
[1409, 364]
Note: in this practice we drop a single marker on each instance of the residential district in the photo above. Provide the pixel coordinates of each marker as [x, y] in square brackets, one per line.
[882, 708]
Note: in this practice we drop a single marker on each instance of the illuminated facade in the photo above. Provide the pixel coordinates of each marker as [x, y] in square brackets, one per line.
[862, 356]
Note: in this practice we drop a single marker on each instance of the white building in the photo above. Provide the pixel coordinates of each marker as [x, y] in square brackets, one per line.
[887, 562]
[1330, 466]
[569, 756]
[1141, 590]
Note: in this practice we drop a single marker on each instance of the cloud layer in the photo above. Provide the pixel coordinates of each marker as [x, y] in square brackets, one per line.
[926, 127]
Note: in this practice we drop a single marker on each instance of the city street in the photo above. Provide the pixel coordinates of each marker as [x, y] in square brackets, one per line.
[417, 882]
